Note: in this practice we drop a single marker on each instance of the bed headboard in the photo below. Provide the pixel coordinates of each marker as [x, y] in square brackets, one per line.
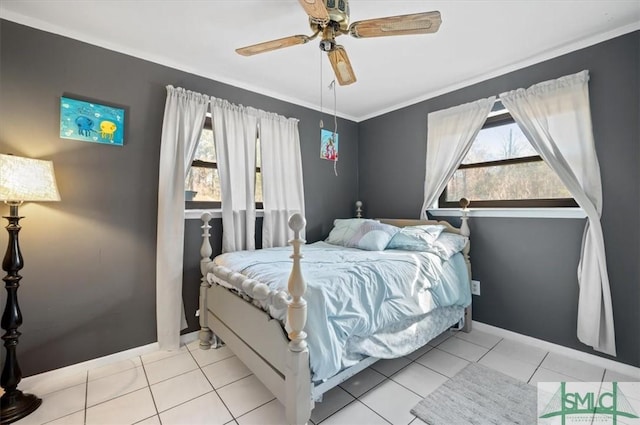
[404, 222]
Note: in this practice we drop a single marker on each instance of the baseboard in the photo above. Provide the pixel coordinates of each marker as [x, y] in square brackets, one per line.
[112, 358]
[622, 368]
[189, 338]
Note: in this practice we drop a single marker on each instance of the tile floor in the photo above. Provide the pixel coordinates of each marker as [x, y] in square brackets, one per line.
[191, 386]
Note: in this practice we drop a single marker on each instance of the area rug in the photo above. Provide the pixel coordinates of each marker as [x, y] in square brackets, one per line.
[480, 396]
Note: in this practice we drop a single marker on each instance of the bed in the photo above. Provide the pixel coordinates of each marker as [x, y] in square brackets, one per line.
[260, 305]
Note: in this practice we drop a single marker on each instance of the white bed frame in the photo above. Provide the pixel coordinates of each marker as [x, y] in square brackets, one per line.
[279, 361]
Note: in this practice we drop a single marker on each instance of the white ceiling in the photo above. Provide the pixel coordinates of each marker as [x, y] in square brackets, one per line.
[478, 39]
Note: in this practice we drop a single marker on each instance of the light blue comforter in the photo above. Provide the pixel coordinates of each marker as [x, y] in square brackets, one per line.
[355, 293]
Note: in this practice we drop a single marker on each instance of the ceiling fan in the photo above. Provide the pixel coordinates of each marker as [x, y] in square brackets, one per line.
[330, 19]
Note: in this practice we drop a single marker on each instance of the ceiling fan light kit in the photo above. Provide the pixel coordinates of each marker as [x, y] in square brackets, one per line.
[330, 19]
[341, 66]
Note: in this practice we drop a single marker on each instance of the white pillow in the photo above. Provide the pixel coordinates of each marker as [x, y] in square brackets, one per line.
[416, 238]
[372, 236]
[344, 229]
[447, 245]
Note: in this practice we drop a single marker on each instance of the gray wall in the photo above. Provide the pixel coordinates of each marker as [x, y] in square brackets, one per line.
[89, 278]
[88, 287]
[527, 267]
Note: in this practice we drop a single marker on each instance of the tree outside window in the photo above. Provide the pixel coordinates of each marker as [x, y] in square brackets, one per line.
[202, 185]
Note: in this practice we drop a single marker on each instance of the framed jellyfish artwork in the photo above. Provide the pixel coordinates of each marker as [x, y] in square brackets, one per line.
[91, 122]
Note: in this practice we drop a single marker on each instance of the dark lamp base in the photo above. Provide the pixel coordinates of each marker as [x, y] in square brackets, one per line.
[16, 405]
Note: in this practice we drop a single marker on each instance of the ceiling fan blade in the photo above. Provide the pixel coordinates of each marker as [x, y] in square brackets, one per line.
[268, 46]
[417, 23]
[341, 66]
[316, 10]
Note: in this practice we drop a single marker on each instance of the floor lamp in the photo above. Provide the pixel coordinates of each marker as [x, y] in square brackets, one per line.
[21, 179]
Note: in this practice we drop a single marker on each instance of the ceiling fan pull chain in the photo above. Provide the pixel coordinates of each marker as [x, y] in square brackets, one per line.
[321, 122]
[332, 86]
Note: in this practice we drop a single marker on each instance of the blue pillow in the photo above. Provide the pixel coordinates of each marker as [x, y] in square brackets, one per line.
[372, 236]
[416, 238]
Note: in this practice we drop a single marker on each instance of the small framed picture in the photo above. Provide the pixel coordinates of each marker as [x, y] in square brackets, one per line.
[91, 122]
[328, 145]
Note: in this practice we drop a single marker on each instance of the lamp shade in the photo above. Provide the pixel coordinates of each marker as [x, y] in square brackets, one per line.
[27, 179]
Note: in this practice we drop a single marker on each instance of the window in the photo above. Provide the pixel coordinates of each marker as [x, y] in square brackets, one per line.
[202, 186]
[503, 170]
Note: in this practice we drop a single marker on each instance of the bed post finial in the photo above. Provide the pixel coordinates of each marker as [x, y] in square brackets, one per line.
[358, 209]
[205, 334]
[464, 227]
[298, 378]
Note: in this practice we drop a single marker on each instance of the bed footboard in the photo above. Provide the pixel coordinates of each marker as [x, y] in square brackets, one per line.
[262, 353]
[298, 374]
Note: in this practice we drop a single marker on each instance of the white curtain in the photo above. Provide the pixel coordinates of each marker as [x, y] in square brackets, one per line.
[449, 136]
[184, 116]
[282, 188]
[235, 133]
[556, 118]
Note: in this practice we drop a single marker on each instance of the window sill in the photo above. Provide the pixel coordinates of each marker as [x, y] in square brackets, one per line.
[512, 212]
[215, 213]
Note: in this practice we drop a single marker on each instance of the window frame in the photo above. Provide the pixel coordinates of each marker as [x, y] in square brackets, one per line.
[500, 119]
[206, 205]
